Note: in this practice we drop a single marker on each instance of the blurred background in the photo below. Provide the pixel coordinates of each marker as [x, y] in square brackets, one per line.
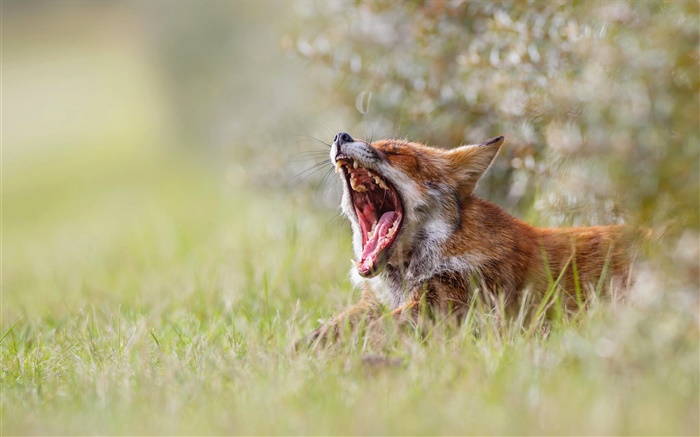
[126, 121]
[115, 112]
[162, 174]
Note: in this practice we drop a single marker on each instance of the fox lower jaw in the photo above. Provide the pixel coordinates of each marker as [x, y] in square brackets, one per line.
[429, 221]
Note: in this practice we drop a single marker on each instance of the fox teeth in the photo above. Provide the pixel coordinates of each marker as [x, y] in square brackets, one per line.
[353, 183]
[338, 166]
[392, 230]
[371, 231]
[355, 164]
[379, 182]
[355, 263]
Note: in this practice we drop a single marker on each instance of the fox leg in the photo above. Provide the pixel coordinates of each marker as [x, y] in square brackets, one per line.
[429, 304]
[409, 313]
[366, 310]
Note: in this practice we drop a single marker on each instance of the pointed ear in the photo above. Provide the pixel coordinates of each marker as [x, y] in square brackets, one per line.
[470, 162]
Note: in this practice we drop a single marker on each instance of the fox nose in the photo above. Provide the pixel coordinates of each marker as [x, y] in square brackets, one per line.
[343, 138]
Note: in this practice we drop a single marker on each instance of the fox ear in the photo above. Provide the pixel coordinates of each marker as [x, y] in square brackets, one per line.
[470, 162]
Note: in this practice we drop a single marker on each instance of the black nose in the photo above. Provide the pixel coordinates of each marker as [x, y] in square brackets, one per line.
[343, 138]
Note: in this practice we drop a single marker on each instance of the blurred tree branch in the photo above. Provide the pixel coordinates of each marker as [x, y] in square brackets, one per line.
[605, 92]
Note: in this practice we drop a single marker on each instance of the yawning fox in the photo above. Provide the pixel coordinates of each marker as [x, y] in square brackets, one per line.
[424, 241]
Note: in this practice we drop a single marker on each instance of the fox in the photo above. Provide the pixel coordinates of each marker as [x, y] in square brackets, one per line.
[423, 242]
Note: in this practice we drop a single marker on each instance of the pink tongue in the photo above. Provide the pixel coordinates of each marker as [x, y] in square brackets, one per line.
[385, 222]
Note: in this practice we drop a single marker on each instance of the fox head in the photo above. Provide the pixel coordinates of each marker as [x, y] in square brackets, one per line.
[405, 199]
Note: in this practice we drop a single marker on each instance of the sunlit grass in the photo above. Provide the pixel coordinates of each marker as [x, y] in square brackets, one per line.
[179, 314]
[143, 294]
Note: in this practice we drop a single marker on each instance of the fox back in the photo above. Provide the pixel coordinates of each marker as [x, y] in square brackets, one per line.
[418, 229]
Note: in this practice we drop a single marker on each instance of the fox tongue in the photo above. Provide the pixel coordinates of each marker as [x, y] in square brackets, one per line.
[374, 241]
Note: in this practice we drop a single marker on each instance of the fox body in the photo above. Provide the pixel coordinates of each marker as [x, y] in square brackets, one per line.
[423, 240]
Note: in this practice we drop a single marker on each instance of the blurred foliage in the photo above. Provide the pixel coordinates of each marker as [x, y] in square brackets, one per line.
[217, 82]
[156, 269]
[598, 100]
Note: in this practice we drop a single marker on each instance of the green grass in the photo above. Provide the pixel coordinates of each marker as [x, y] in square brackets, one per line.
[171, 304]
[143, 295]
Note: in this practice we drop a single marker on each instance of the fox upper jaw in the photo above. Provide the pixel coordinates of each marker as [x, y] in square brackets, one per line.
[370, 158]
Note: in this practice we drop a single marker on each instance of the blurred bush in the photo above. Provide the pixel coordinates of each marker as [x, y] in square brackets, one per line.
[598, 100]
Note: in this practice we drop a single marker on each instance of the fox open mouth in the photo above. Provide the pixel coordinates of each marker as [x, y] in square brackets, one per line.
[378, 209]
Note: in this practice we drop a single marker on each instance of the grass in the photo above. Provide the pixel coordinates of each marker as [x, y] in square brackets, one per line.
[142, 295]
[170, 305]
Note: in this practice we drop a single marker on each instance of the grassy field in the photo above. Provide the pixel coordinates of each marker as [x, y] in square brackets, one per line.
[171, 305]
[148, 290]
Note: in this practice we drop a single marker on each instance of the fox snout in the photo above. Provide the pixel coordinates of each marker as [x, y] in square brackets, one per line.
[343, 137]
